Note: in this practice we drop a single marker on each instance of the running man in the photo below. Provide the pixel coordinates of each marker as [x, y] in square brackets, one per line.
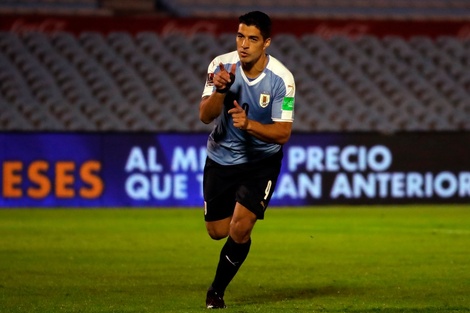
[249, 95]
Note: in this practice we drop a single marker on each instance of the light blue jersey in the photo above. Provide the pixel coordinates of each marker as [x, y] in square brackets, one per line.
[269, 98]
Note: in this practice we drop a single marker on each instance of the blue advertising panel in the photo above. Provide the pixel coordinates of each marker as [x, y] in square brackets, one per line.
[108, 170]
[165, 170]
[369, 168]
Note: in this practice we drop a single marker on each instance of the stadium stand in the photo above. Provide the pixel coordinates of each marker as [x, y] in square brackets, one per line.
[79, 7]
[389, 9]
[150, 82]
[142, 80]
[51, 6]
[399, 9]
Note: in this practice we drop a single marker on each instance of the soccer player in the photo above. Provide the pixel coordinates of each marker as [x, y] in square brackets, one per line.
[249, 95]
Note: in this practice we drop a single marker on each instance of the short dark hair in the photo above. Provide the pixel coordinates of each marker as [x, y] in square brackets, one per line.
[259, 19]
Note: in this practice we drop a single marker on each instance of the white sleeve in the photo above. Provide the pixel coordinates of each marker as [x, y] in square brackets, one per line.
[209, 86]
[226, 59]
[283, 105]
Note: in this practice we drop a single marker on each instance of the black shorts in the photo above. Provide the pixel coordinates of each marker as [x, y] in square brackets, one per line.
[250, 184]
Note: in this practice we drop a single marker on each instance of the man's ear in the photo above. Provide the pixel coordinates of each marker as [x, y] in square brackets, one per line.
[267, 43]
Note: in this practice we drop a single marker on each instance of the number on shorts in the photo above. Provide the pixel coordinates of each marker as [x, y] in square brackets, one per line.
[267, 190]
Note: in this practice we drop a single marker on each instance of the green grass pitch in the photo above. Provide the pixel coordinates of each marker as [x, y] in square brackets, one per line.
[321, 259]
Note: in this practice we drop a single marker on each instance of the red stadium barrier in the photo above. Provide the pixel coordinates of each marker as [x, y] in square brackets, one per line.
[188, 26]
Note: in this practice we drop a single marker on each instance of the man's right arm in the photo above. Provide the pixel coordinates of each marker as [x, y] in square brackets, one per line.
[211, 107]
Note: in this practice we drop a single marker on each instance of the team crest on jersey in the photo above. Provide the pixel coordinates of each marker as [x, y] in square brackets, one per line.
[264, 99]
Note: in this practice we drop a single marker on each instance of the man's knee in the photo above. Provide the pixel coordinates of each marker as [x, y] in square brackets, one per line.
[240, 230]
[217, 234]
[218, 229]
[242, 224]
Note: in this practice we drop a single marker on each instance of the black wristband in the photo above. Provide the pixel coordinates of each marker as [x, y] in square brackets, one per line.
[228, 85]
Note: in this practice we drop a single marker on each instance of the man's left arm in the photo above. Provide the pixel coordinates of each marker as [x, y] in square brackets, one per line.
[278, 132]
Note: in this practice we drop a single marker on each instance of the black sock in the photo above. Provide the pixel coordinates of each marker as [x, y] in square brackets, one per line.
[231, 258]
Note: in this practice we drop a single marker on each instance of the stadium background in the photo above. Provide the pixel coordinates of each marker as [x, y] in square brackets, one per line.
[98, 100]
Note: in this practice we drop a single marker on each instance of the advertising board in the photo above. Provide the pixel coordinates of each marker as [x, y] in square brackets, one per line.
[165, 170]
